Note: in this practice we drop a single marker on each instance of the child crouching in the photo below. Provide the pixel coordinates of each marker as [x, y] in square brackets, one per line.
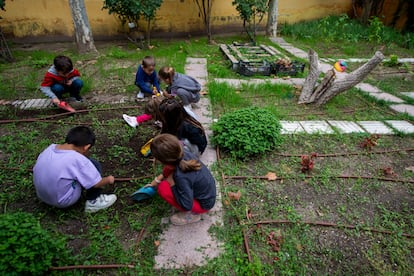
[186, 183]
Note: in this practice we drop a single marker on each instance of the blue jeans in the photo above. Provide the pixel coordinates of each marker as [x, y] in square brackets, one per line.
[149, 86]
[93, 193]
[73, 90]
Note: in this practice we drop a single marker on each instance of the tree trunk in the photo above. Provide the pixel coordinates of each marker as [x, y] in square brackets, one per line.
[204, 8]
[331, 86]
[271, 26]
[83, 33]
[311, 79]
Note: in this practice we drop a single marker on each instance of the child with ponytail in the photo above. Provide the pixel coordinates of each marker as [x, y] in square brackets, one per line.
[185, 183]
[185, 87]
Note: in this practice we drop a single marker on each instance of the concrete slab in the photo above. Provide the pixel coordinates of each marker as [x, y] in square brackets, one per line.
[408, 94]
[291, 127]
[239, 82]
[313, 127]
[346, 126]
[366, 87]
[375, 127]
[33, 104]
[386, 97]
[401, 126]
[192, 245]
[403, 108]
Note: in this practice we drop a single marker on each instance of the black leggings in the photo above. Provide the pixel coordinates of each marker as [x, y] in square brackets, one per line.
[93, 193]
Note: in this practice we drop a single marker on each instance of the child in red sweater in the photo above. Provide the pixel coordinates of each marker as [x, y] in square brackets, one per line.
[62, 78]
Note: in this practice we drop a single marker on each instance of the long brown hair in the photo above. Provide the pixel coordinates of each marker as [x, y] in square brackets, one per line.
[173, 114]
[166, 73]
[168, 150]
[153, 107]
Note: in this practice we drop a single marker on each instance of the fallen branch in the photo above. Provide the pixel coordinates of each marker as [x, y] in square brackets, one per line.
[72, 267]
[316, 176]
[330, 224]
[246, 245]
[348, 153]
[28, 120]
[332, 85]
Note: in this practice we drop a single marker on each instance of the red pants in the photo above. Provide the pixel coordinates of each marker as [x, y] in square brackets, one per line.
[165, 192]
[144, 117]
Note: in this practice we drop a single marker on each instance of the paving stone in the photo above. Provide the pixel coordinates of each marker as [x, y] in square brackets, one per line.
[238, 82]
[386, 97]
[346, 126]
[408, 94]
[290, 127]
[401, 126]
[375, 127]
[312, 127]
[366, 87]
[32, 104]
[191, 245]
[403, 108]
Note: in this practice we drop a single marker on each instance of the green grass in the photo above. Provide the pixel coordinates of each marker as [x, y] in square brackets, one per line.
[111, 236]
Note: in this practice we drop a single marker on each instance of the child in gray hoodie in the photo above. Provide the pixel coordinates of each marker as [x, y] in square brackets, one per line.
[185, 87]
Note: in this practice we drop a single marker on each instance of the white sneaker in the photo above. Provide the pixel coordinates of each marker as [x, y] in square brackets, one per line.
[102, 202]
[132, 121]
[140, 95]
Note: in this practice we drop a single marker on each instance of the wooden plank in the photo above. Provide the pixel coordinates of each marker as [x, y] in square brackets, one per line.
[234, 61]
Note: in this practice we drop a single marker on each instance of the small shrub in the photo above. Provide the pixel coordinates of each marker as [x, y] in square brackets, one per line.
[26, 248]
[248, 131]
[392, 62]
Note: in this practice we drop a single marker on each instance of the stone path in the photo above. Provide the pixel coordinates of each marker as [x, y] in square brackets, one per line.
[189, 245]
[398, 105]
[345, 127]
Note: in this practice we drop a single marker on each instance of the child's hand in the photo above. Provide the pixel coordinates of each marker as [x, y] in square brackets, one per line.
[110, 179]
[56, 101]
[69, 82]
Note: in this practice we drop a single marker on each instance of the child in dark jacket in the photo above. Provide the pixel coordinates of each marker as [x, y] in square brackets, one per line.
[176, 121]
[186, 183]
[146, 78]
[62, 78]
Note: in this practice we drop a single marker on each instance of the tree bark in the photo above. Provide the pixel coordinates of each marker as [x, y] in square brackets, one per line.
[271, 26]
[204, 8]
[331, 86]
[83, 33]
[311, 79]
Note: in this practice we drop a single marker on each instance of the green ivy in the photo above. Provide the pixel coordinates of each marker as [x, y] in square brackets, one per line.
[246, 132]
[26, 248]
[132, 10]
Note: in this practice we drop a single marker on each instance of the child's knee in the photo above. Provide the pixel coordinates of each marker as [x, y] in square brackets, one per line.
[77, 83]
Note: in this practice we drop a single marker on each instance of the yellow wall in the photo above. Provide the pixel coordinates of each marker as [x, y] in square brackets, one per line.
[52, 17]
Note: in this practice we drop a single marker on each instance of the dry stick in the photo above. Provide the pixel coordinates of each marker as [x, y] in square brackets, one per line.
[142, 232]
[246, 245]
[126, 179]
[347, 153]
[65, 114]
[317, 176]
[72, 267]
[329, 224]
[245, 237]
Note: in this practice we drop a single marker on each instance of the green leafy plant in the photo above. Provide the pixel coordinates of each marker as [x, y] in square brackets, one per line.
[252, 13]
[376, 30]
[26, 248]
[246, 132]
[130, 11]
[392, 62]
